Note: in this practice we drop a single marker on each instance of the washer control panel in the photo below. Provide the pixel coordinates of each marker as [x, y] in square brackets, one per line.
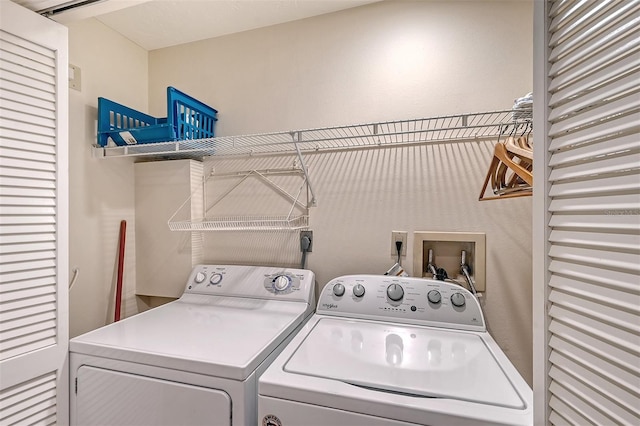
[418, 301]
[252, 281]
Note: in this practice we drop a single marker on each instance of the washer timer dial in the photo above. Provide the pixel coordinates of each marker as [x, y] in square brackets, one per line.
[395, 292]
[434, 296]
[457, 299]
[358, 290]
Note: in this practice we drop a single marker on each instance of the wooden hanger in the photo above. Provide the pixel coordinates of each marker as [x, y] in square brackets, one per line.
[519, 183]
[519, 147]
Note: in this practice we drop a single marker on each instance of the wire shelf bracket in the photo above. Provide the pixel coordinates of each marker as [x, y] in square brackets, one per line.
[291, 221]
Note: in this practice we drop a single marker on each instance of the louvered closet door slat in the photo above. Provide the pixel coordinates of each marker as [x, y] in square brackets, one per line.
[24, 220]
[27, 117]
[599, 240]
[8, 155]
[561, 23]
[606, 130]
[11, 57]
[21, 323]
[628, 261]
[25, 81]
[23, 99]
[602, 166]
[567, 88]
[599, 50]
[611, 354]
[600, 388]
[24, 246]
[32, 283]
[29, 147]
[37, 95]
[14, 135]
[584, 399]
[624, 105]
[16, 401]
[593, 302]
[29, 183]
[25, 48]
[558, 7]
[621, 143]
[569, 418]
[602, 222]
[28, 314]
[624, 204]
[625, 281]
[623, 320]
[625, 85]
[34, 147]
[25, 108]
[608, 295]
[596, 186]
[43, 76]
[624, 380]
[621, 8]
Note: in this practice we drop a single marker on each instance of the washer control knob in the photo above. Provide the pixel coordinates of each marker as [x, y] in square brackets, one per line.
[434, 296]
[358, 290]
[200, 276]
[457, 299]
[281, 282]
[395, 292]
[338, 289]
[215, 278]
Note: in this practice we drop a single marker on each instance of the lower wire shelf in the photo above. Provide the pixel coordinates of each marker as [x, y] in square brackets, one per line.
[243, 223]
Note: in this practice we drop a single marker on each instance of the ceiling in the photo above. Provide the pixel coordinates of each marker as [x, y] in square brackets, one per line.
[154, 24]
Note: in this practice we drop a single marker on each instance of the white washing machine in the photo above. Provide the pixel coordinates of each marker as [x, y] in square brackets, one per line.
[193, 361]
[384, 350]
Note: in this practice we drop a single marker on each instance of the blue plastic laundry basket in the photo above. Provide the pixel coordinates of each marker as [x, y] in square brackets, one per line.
[187, 118]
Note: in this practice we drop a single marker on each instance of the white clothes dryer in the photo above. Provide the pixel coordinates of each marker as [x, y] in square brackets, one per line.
[193, 361]
[384, 350]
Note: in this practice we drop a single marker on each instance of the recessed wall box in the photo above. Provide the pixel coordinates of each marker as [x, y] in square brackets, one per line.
[446, 249]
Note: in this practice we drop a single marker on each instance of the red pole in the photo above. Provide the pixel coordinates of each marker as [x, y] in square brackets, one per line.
[123, 233]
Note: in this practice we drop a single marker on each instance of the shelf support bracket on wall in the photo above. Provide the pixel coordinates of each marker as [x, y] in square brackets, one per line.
[297, 137]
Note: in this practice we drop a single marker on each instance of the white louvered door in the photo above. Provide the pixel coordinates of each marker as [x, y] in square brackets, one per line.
[587, 212]
[33, 218]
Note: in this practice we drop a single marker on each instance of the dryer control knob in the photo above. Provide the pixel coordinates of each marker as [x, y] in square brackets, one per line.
[338, 289]
[215, 278]
[457, 299]
[395, 292]
[199, 277]
[358, 290]
[281, 282]
[434, 296]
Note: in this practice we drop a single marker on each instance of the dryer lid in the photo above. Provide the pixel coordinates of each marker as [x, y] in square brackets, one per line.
[218, 336]
[417, 361]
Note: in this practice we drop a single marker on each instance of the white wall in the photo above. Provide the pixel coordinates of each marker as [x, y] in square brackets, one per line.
[385, 61]
[101, 191]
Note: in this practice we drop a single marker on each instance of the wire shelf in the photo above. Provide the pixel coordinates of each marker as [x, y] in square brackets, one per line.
[402, 132]
[243, 223]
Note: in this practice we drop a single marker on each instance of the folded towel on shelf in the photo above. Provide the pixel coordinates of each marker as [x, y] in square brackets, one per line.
[522, 107]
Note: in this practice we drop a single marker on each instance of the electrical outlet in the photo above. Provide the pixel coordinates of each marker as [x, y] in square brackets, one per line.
[308, 234]
[398, 236]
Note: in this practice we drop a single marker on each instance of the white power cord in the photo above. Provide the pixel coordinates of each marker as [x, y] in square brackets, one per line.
[76, 272]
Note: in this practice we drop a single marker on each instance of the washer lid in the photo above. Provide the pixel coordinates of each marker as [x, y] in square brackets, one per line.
[219, 336]
[417, 361]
